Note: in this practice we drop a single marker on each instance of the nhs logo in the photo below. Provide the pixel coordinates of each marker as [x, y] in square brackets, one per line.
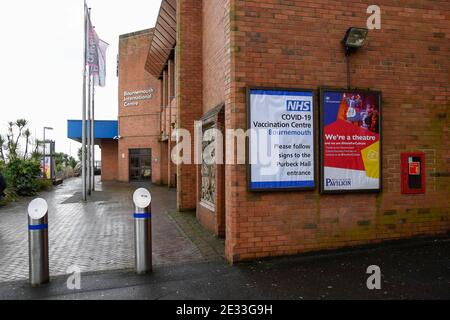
[298, 105]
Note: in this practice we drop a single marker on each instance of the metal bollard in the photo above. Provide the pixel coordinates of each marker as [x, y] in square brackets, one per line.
[143, 230]
[38, 242]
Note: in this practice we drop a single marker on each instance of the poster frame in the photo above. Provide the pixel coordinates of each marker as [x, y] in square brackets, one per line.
[315, 142]
[322, 91]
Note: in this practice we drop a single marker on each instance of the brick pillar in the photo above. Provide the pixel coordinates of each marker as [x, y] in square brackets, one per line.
[171, 94]
[164, 160]
[161, 97]
[189, 94]
[165, 100]
[234, 119]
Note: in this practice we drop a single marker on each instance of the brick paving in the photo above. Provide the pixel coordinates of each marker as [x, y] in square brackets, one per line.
[210, 247]
[98, 235]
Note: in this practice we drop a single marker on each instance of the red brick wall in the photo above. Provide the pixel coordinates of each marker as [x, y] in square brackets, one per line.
[206, 217]
[172, 173]
[139, 143]
[162, 128]
[297, 44]
[139, 126]
[109, 160]
[189, 89]
[168, 119]
[164, 162]
[212, 216]
[172, 120]
[214, 86]
[214, 50]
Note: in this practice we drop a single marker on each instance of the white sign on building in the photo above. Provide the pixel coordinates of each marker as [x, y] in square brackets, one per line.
[132, 98]
[281, 140]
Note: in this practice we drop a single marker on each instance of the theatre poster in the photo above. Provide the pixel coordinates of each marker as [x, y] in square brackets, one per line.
[350, 141]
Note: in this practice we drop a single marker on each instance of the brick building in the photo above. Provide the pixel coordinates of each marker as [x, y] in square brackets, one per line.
[200, 60]
[136, 146]
[139, 150]
[222, 47]
[136, 152]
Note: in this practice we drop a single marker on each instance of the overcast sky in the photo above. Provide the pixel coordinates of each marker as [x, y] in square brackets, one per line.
[41, 60]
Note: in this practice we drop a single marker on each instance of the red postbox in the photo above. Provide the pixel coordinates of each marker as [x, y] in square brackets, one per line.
[413, 172]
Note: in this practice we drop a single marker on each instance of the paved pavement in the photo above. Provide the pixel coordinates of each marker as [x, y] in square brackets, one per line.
[415, 270]
[98, 235]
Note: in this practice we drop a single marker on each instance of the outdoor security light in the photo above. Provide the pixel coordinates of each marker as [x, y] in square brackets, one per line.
[354, 39]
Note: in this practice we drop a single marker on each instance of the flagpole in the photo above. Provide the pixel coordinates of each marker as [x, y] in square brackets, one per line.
[83, 122]
[92, 151]
[96, 77]
[89, 138]
[93, 137]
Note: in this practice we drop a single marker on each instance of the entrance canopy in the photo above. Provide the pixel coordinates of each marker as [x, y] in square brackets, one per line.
[104, 129]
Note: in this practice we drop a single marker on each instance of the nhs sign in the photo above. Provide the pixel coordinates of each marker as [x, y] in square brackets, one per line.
[298, 105]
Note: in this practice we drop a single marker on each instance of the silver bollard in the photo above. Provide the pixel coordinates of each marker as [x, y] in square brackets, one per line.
[143, 230]
[38, 242]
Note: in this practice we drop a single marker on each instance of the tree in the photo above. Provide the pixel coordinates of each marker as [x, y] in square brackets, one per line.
[66, 160]
[2, 145]
[36, 154]
[72, 162]
[20, 124]
[21, 172]
[62, 161]
[10, 144]
[27, 135]
[59, 161]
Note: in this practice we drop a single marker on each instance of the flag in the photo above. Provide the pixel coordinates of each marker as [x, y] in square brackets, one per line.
[96, 56]
[100, 75]
[92, 47]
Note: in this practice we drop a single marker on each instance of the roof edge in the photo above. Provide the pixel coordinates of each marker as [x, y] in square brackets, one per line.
[137, 33]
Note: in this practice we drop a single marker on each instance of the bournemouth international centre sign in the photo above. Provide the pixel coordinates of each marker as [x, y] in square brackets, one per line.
[133, 98]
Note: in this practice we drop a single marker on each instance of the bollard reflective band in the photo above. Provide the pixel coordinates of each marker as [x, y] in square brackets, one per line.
[142, 215]
[38, 227]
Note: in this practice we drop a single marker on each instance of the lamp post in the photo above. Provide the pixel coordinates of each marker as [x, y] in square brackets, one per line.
[44, 155]
[353, 40]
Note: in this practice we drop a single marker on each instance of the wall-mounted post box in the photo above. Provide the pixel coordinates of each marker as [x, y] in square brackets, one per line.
[413, 172]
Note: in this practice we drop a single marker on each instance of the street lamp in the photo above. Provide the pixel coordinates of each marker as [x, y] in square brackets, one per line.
[353, 40]
[44, 158]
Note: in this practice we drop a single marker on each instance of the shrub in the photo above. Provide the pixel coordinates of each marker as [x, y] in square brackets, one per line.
[11, 196]
[44, 184]
[22, 177]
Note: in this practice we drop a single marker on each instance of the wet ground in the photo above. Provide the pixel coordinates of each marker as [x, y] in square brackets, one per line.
[415, 270]
[98, 235]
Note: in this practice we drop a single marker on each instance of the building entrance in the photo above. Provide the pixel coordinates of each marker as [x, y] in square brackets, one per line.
[140, 164]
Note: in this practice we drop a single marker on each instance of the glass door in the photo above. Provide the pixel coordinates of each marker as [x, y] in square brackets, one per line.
[140, 164]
